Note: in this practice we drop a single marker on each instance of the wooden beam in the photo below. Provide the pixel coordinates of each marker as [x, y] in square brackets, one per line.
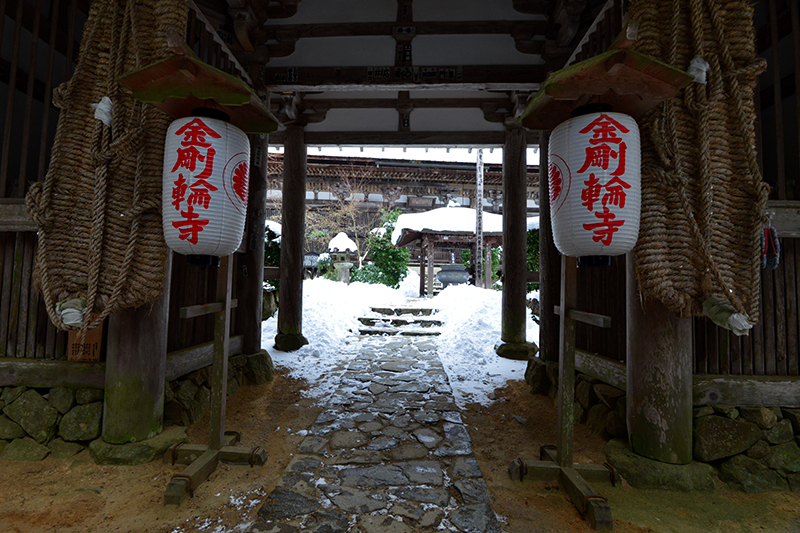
[205, 309]
[751, 391]
[39, 373]
[14, 216]
[593, 319]
[182, 362]
[602, 368]
[379, 29]
[416, 103]
[454, 77]
[386, 138]
[183, 485]
[785, 217]
[591, 505]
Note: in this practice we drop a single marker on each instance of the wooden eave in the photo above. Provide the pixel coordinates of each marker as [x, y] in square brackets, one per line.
[629, 81]
[181, 83]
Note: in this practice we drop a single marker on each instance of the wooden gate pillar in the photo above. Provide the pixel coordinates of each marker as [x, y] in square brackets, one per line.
[515, 174]
[250, 278]
[549, 263]
[659, 364]
[293, 217]
[136, 364]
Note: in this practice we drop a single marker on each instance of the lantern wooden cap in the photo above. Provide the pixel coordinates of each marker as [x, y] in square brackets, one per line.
[630, 82]
[181, 83]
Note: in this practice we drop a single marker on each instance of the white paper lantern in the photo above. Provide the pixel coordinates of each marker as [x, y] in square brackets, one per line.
[206, 175]
[595, 184]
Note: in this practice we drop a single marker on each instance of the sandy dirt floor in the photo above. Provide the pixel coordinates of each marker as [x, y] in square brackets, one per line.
[75, 495]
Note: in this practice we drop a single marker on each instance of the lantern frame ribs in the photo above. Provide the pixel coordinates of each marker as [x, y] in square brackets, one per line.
[559, 466]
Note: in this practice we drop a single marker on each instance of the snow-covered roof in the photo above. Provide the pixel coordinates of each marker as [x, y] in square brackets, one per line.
[451, 219]
[342, 243]
[275, 227]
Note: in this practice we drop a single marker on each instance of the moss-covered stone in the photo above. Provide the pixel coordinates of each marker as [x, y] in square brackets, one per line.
[82, 422]
[750, 475]
[716, 437]
[259, 368]
[597, 419]
[62, 399]
[780, 433]
[12, 393]
[641, 472]
[763, 417]
[25, 449]
[136, 453]
[785, 457]
[758, 450]
[536, 376]
[793, 416]
[64, 450]
[10, 430]
[705, 410]
[84, 396]
[727, 411]
[35, 415]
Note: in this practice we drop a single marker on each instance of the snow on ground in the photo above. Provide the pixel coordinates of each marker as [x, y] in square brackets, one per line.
[470, 333]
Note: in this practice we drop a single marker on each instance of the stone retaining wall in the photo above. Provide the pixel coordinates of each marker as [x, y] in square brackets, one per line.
[754, 449]
[60, 421]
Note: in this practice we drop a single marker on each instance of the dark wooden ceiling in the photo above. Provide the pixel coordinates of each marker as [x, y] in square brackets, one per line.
[387, 72]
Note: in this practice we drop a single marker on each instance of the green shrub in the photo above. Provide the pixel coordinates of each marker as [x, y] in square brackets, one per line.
[389, 264]
[272, 253]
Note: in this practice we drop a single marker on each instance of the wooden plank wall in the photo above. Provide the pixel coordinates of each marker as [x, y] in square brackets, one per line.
[25, 329]
[771, 349]
[602, 291]
[193, 285]
[42, 43]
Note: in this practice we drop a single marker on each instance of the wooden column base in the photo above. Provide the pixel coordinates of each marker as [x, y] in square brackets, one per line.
[592, 506]
[202, 462]
[289, 342]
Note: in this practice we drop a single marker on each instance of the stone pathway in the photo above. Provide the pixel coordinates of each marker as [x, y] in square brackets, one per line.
[389, 454]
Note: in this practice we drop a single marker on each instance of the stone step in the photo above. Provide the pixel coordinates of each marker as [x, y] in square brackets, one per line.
[396, 311]
[376, 330]
[399, 321]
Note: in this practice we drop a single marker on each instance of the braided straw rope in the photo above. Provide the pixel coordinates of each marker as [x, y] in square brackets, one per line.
[702, 195]
[99, 206]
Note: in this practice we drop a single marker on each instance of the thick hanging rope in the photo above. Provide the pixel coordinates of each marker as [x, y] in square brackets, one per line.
[98, 208]
[702, 195]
